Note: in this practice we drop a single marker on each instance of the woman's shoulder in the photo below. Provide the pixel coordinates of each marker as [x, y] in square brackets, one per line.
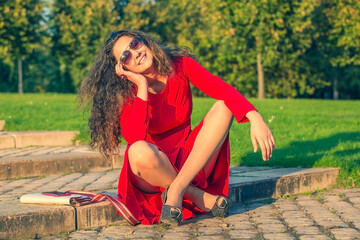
[181, 64]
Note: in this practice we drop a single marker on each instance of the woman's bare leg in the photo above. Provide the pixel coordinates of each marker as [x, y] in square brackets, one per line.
[152, 169]
[210, 138]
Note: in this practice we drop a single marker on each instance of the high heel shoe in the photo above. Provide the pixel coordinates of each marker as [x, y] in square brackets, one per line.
[170, 215]
[221, 209]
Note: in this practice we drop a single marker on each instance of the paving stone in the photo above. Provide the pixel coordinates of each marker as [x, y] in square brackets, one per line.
[14, 184]
[40, 151]
[83, 181]
[308, 230]
[143, 234]
[277, 236]
[210, 230]
[345, 233]
[7, 152]
[333, 198]
[105, 181]
[272, 228]
[237, 217]
[83, 235]
[241, 226]
[314, 237]
[210, 238]
[243, 234]
[177, 236]
[29, 188]
[66, 149]
[267, 220]
[2, 183]
[117, 230]
[293, 214]
[329, 224]
[287, 207]
[354, 199]
[299, 222]
[21, 152]
[60, 182]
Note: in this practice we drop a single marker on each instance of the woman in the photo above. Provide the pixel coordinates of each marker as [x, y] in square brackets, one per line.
[140, 89]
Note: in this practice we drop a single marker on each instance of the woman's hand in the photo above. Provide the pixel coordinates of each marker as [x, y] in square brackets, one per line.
[136, 78]
[260, 133]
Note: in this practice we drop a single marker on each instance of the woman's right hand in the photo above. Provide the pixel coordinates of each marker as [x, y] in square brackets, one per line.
[136, 78]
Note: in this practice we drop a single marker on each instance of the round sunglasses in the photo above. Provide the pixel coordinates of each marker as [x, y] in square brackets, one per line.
[135, 44]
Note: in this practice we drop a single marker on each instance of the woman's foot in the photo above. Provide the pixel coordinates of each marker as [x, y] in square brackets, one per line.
[221, 207]
[217, 205]
[171, 213]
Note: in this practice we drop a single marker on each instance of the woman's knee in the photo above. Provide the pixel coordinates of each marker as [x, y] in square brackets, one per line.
[142, 155]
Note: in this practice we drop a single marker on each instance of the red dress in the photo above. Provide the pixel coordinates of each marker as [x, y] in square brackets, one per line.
[164, 120]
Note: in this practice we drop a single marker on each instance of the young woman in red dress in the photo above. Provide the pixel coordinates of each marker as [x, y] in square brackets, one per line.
[140, 90]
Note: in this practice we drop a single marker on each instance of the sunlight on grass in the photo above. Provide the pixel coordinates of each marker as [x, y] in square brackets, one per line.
[308, 133]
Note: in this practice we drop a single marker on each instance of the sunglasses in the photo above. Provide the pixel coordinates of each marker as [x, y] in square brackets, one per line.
[135, 44]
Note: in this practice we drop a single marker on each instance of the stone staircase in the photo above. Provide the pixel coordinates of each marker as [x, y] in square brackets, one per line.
[62, 166]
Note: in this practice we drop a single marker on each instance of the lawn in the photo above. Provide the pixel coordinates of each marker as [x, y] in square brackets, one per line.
[308, 133]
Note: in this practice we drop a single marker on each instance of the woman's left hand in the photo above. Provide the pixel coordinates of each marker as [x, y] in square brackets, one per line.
[260, 133]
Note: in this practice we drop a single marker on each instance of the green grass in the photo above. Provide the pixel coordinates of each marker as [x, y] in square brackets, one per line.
[308, 133]
[43, 112]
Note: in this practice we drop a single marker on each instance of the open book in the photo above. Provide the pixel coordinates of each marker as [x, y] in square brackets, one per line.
[61, 198]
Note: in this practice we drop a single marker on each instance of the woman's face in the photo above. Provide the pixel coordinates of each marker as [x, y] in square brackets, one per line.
[141, 59]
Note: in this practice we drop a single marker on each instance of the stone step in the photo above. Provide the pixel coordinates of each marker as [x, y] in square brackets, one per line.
[33, 221]
[35, 161]
[36, 138]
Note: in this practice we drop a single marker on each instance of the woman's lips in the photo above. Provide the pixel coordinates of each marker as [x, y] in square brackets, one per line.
[142, 59]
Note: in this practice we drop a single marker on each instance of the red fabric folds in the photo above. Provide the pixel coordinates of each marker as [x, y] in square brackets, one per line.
[164, 120]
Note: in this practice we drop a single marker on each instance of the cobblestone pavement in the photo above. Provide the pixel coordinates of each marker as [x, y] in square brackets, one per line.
[13, 189]
[333, 214]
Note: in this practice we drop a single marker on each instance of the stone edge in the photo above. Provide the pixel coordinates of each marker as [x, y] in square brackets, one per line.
[34, 166]
[102, 214]
[36, 138]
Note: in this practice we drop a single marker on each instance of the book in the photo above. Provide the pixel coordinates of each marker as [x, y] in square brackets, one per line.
[59, 198]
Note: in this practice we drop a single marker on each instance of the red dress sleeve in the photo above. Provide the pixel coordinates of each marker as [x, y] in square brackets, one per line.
[134, 120]
[216, 88]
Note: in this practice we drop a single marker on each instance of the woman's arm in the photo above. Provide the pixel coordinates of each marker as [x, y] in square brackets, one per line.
[241, 108]
[216, 88]
[134, 119]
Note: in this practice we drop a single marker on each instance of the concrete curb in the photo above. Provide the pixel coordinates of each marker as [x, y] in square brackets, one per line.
[37, 222]
[36, 138]
[2, 124]
[31, 224]
[34, 166]
[300, 181]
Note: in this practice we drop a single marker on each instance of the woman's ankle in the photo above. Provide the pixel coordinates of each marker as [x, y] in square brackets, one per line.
[203, 200]
[175, 195]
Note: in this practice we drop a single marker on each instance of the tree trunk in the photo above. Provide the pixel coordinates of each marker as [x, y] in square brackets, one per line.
[335, 89]
[261, 84]
[20, 77]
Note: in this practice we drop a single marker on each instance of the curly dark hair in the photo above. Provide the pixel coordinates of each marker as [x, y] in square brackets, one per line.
[107, 92]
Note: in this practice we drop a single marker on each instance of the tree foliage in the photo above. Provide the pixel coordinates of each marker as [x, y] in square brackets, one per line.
[20, 33]
[305, 48]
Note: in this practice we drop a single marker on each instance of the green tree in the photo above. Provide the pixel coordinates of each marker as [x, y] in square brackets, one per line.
[78, 30]
[343, 46]
[20, 31]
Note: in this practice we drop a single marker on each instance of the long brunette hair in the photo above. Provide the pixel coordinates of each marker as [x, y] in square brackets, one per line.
[108, 92]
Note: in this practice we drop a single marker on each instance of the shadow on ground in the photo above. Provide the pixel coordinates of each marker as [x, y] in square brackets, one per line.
[309, 153]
